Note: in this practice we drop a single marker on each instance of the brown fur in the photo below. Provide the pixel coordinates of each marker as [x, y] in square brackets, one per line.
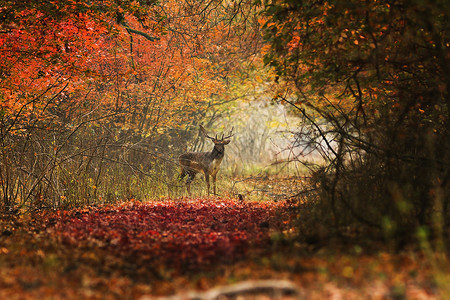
[207, 163]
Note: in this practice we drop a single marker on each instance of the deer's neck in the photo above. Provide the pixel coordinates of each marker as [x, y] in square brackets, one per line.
[215, 154]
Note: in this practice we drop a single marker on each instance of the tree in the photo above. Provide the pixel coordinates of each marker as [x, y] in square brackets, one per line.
[92, 91]
[51, 54]
[372, 82]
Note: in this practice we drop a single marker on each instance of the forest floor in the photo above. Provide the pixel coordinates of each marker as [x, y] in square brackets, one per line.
[141, 250]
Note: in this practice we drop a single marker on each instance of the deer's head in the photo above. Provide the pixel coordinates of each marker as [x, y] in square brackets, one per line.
[219, 143]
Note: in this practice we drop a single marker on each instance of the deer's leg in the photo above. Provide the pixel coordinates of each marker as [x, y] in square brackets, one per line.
[188, 187]
[207, 181]
[182, 174]
[214, 184]
[188, 182]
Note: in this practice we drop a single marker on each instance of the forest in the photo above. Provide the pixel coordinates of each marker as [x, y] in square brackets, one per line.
[224, 149]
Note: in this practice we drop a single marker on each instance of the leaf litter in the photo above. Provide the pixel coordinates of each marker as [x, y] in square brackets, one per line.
[163, 247]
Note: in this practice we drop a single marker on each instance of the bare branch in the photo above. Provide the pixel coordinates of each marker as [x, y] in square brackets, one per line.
[276, 288]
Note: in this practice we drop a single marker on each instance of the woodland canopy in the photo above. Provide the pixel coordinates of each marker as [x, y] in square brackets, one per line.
[99, 98]
[337, 176]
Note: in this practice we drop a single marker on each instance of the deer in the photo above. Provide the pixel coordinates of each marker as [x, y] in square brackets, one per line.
[207, 163]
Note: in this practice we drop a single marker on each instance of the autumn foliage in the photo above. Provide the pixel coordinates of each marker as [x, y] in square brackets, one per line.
[168, 246]
[92, 93]
[99, 98]
[371, 83]
[184, 235]
[143, 244]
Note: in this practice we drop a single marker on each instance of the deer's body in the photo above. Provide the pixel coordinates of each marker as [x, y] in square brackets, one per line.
[207, 163]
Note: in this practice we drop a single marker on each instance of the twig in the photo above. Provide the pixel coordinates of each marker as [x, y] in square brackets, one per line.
[274, 288]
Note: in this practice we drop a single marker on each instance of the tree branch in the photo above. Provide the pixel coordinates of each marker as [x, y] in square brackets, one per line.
[144, 34]
[275, 288]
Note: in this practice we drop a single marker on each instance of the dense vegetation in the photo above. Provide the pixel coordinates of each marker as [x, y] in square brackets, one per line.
[93, 94]
[372, 84]
[340, 109]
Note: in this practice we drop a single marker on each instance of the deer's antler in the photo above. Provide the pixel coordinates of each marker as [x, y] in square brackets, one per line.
[230, 134]
[205, 134]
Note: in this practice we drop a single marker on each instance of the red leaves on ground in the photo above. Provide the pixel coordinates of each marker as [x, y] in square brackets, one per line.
[167, 247]
[181, 234]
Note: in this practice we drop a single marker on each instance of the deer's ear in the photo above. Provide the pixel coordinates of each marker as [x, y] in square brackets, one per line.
[226, 142]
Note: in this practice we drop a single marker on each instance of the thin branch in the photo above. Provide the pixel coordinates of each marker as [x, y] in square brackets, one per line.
[303, 111]
[144, 34]
[274, 288]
